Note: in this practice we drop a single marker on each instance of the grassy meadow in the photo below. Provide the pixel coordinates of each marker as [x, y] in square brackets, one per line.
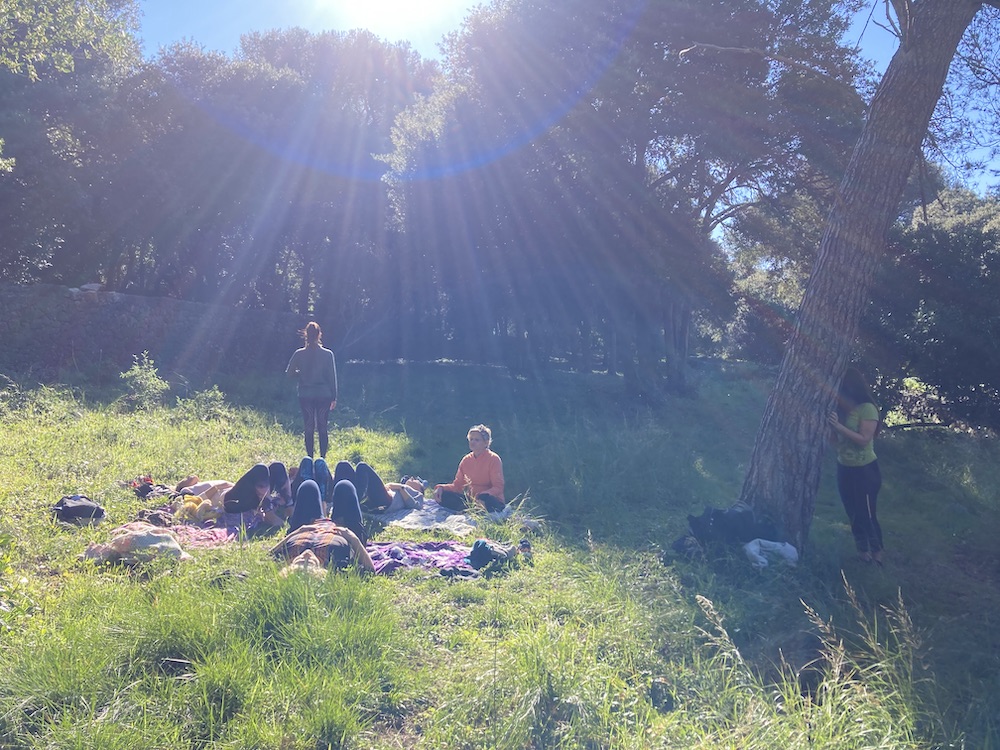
[608, 640]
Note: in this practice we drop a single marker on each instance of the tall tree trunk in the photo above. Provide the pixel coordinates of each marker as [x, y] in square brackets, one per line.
[676, 337]
[784, 471]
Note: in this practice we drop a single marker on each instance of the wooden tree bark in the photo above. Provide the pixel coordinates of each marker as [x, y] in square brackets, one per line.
[783, 477]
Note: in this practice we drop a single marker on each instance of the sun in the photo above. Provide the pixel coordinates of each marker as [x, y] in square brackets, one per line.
[395, 19]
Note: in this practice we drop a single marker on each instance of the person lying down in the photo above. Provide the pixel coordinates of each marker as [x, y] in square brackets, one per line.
[333, 545]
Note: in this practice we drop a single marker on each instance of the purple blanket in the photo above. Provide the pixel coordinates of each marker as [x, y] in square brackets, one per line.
[194, 536]
[447, 557]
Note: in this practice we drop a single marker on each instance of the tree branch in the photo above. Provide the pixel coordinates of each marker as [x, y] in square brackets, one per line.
[760, 53]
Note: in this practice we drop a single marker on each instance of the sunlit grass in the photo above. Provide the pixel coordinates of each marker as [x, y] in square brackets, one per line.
[597, 644]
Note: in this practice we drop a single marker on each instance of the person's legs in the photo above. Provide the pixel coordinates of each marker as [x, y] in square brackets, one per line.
[321, 475]
[873, 483]
[491, 503]
[374, 488]
[309, 424]
[322, 407]
[854, 498]
[453, 500]
[343, 470]
[346, 510]
[305, 472]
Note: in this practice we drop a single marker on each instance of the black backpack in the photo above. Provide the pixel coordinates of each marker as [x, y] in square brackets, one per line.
[78, 509]
[487, 552]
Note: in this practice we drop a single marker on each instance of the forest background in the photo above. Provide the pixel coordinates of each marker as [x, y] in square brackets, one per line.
[624, 190]
[616, 189]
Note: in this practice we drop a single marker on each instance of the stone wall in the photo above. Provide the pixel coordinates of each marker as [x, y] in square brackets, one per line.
[46, 329]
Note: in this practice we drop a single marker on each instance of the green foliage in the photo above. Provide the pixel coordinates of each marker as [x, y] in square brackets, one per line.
[37, 38]
[207, 405]
[144, 387]
[936, 312]
[6, 165]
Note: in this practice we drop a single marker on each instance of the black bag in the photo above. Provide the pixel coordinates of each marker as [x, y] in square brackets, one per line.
[78, 509]
[736, 525]
[486, 552]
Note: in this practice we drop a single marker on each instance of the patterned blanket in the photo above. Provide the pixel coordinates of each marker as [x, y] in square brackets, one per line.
[446, 557]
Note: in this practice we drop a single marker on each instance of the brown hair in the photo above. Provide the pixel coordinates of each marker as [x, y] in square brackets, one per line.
[853, 392]
[312, 334]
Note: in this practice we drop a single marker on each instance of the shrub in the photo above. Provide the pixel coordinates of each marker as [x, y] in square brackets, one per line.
[143, 384]
[205, 405]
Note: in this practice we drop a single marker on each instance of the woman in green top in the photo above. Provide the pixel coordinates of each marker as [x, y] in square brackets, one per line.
[858, 477]
[316, 370]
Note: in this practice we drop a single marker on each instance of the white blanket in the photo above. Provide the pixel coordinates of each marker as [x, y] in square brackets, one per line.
[434, 516]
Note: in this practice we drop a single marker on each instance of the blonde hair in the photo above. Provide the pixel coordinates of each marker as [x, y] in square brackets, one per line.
[484, 432]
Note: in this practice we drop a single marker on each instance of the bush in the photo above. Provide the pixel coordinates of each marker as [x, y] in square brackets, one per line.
[145, 388]
[205, 405]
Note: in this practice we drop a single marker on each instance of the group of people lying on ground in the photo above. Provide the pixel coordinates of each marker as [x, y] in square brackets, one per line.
[324, 511]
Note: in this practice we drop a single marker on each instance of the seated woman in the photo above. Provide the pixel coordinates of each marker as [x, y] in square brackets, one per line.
[479, 476]
[336, 546]
[263, 487]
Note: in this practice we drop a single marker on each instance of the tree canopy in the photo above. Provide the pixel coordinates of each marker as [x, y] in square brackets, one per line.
[608, 186]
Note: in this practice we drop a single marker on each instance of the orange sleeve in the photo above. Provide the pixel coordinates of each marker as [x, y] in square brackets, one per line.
[496, 477]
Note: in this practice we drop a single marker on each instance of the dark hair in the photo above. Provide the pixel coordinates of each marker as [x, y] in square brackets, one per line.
[853, 392]
[312, 333]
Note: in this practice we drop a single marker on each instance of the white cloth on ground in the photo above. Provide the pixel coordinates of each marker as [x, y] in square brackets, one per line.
[759, 550]
[434, 516]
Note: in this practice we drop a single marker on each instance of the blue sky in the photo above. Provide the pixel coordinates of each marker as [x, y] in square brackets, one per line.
[217, 24]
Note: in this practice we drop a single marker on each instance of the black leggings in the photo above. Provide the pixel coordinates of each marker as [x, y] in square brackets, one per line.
[369, 485]
[859, 486]
[458, 502]
[315, 412]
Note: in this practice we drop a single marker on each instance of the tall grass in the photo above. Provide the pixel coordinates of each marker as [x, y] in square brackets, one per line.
[275, 662]
[606, 641]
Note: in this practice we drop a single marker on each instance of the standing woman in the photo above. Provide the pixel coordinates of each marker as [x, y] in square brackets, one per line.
[854, 425]
[316, 370]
